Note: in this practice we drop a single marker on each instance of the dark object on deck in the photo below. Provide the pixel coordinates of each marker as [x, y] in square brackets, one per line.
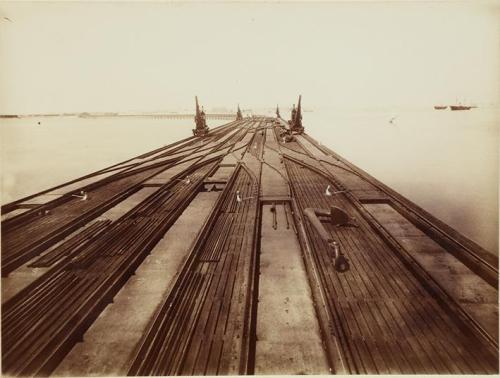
[337, 218]
[278, 112]
[287, 137]
[200, 120]
[340, 261]
[275, 219]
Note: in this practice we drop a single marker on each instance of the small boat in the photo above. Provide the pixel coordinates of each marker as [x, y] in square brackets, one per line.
[440, 107]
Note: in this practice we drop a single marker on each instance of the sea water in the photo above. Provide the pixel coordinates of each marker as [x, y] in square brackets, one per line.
[444, 161]
[42, 152]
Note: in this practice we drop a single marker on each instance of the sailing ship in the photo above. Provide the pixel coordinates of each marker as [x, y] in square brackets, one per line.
[460, 107]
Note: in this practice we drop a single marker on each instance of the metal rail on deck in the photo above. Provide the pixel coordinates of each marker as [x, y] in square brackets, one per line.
[205, 324]
[42, 322]
[373, 268]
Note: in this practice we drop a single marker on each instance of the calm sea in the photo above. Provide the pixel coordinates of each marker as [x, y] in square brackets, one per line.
[445, 161]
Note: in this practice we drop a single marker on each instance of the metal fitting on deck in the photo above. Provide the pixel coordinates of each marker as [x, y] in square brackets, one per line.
[339, 260]
[83, 195]
[275, 218]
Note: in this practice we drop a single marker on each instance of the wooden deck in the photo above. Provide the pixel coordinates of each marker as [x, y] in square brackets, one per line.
[419, 298]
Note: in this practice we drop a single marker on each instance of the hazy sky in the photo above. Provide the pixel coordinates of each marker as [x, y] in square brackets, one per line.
[57, 57]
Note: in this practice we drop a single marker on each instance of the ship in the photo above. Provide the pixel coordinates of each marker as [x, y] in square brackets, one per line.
[439, 107]
[460, 107]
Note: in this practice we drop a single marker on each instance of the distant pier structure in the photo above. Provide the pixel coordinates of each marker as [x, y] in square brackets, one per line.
[240, 251]
[208, 116]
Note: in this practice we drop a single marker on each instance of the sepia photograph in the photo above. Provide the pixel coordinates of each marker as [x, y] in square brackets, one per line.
[249, 188]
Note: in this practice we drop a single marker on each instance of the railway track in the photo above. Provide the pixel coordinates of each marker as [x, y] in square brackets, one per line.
[378, 317]
[44, 320]
[41, 324]
[185, 145]
[53, 221]
[383, 318]
[205, 314]
[204, 326]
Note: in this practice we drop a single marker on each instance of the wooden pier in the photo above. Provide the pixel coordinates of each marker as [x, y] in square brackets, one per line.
[198, 258]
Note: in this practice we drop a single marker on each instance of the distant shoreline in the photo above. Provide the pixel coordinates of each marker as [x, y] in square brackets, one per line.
[111, 114]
